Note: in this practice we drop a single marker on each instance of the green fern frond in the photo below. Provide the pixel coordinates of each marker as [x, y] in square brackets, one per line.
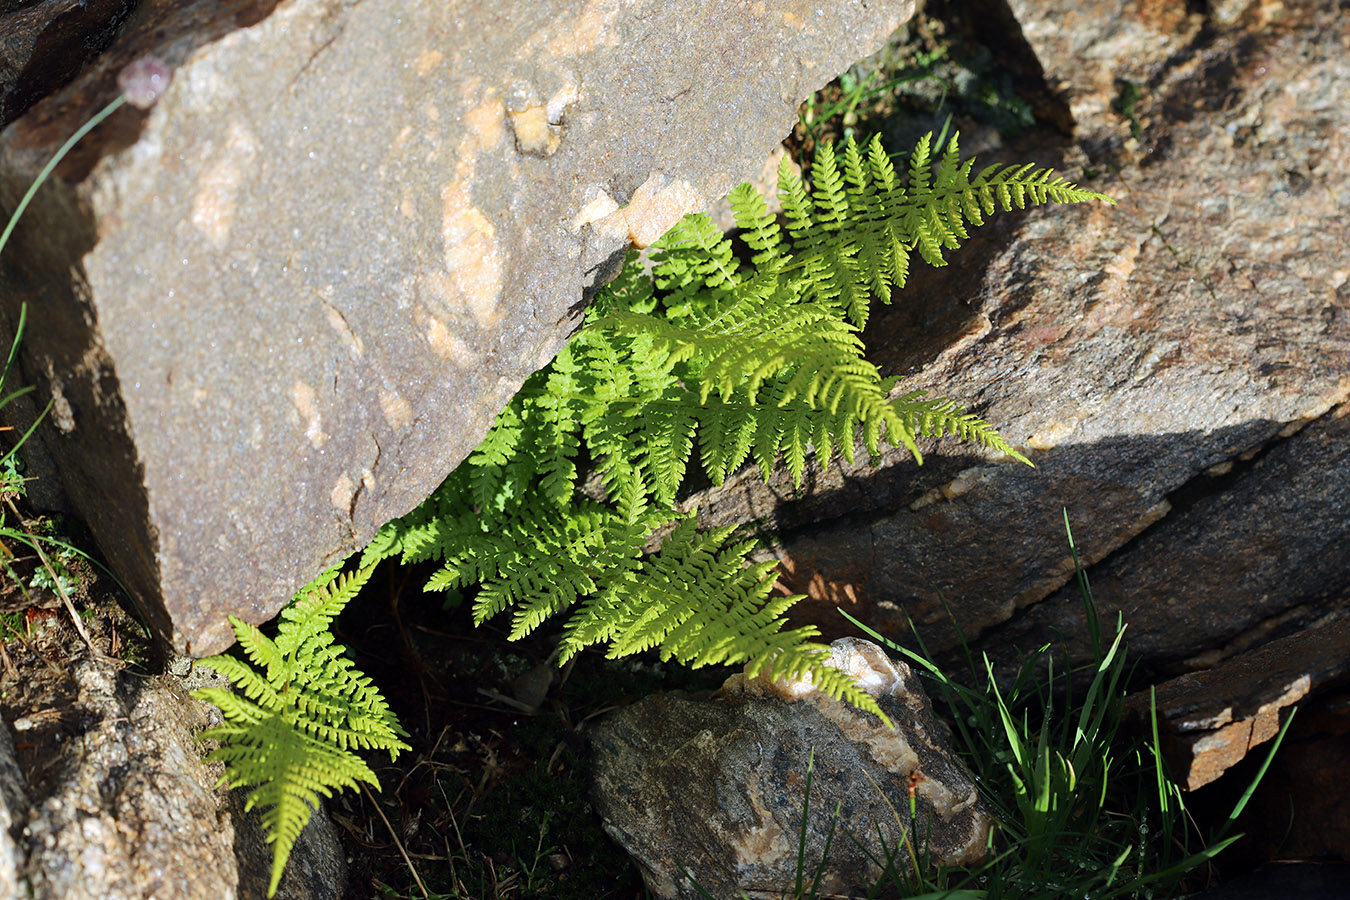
[717, 356]
[698, 602]
[304, 709]
[939, 417]
[887, 219]
[725, 358]
[721, 359]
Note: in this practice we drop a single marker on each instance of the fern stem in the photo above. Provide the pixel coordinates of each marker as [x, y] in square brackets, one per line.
[397, 843]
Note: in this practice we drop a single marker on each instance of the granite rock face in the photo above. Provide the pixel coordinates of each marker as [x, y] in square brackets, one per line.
[1176, 366]
[275, 310]
[717, 786]
[107, 797]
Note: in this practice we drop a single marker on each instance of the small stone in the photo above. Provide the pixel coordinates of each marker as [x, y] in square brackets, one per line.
[145, 81]
[717, 786]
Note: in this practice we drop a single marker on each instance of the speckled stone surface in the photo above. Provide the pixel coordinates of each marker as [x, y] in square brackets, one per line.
[1176, 366]
[110, 799]
[717, 786]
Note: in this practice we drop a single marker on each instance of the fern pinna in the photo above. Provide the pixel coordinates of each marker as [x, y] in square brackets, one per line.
[733, 358]
[297, 714]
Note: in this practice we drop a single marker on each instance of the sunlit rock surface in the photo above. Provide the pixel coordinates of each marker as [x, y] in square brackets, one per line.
[717, 786]
[275, 310]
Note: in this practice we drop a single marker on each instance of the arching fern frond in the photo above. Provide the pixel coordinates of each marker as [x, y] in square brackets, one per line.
[724, 358]
[698, 602]
[860, 256]
[938, 417]
[299, 712]
[724, 355]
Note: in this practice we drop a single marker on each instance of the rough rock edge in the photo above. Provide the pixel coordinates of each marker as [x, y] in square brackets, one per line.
[133, 780]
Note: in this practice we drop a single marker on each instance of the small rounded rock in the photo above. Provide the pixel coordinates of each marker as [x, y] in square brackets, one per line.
[144, 81]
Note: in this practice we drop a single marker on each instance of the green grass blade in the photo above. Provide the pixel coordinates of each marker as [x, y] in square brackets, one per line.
[1260, 774]
[52, 163]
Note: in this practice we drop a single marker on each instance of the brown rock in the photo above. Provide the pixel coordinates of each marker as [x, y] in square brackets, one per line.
[1252, 554]
[44, 44]
[108, 798]
[1299, 811]
[1211, 719]
[716, 787]
[274, 311]
[1136, 352]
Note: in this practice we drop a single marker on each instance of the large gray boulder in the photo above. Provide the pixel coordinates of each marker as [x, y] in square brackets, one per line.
[274, 311]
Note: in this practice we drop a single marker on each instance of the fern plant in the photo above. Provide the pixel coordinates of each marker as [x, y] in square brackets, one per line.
[298, 712]
[730, 357]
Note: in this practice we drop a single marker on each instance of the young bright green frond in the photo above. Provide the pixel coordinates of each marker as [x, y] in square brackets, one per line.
[307, 709]
[261, 652]
[250, 707]
[759, 227]
[939, 417]
[313, 609]
[288, 771]
[693, 266]
[716, 359]
[631, 289]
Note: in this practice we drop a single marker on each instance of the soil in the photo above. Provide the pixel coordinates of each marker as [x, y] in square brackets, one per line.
[39, 641]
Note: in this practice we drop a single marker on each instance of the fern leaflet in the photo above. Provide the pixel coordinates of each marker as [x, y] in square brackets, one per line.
[299, 711]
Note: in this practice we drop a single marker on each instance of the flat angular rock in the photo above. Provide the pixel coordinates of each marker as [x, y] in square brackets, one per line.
[1299, 810]
[1209, 720]
[717, 786]
[1251, 554]
[275, 310]
[1138, 353]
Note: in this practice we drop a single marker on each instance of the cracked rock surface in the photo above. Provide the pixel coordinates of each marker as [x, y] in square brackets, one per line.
[1212, 718]
[1176, 366]
[104, 795]
[1159, 360]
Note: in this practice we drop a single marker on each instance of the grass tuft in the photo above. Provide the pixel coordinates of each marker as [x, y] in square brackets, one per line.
[1083, 807]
